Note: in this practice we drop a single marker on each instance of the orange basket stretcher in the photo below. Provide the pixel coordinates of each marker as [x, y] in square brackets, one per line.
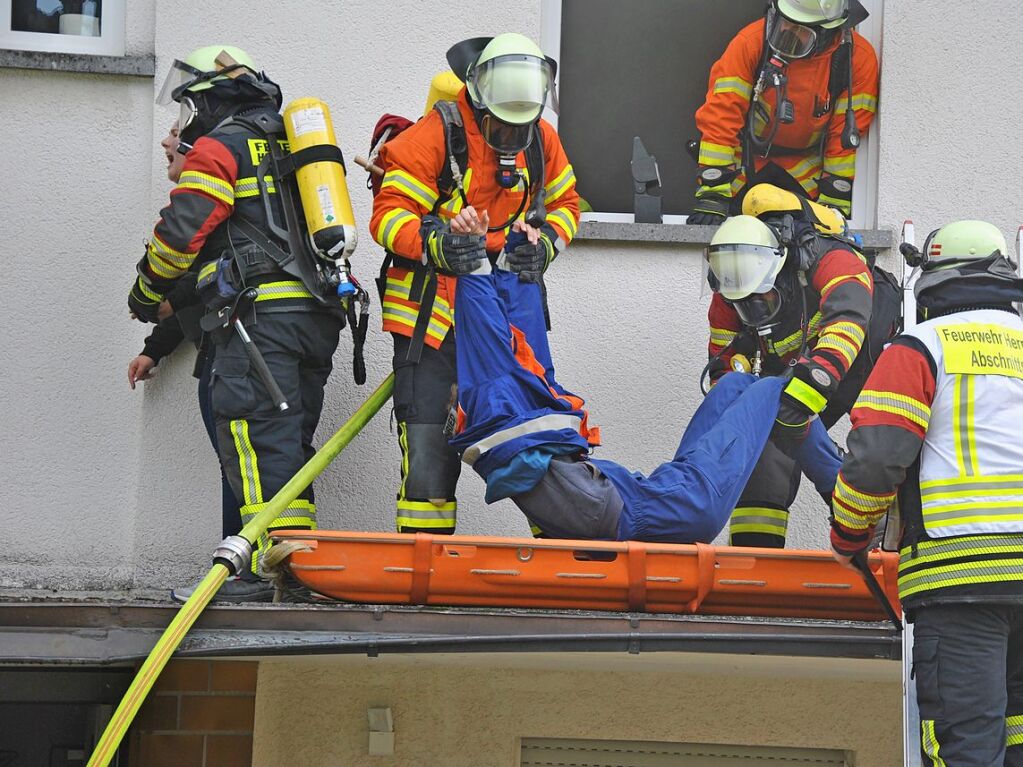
[454, 571]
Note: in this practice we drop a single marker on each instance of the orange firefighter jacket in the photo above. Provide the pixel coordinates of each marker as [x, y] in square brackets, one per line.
[807, 147]
[412, 164]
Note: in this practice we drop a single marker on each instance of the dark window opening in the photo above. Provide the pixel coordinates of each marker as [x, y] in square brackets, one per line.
[639, 69]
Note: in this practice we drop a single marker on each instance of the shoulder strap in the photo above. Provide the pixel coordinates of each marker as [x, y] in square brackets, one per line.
[456, 148]
[839, 79]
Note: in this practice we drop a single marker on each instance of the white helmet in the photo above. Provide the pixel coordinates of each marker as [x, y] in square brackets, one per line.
[817, 13]
[745, 259]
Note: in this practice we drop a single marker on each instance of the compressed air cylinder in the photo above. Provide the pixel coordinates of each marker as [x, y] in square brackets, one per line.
[321, 185]
[443, 87]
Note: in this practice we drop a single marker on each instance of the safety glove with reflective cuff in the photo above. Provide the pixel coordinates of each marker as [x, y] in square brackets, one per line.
[806, 394]
[144, 301]
[836, 191]
[452, 253]
[709, 210]
[531, 260]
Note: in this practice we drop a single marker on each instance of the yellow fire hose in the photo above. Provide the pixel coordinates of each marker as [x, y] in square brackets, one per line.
[208, 587]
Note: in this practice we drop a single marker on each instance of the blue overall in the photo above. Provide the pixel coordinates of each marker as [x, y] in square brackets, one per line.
[687, 499]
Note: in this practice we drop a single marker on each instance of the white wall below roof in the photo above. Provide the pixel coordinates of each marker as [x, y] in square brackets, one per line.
[76, 192]
[738, 700]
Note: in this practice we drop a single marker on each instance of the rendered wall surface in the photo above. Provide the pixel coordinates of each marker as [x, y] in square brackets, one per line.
[738, 700]
[112, 488]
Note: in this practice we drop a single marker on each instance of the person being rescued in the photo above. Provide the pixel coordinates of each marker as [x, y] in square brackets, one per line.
[529, 438]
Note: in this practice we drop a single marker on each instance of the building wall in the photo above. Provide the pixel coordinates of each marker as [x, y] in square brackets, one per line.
[114, 487]
[735, 700]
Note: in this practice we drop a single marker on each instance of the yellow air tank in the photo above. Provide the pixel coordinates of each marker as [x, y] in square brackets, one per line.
[321, 185]
[444, 86]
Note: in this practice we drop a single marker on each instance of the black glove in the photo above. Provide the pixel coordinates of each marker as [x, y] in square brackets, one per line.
[709, 210]
[836, 191]
[807, 394]
[183, 293]
[530, 260]
[144, 301]
[452, 253]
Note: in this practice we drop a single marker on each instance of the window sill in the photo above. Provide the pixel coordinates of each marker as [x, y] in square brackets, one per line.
[132, 66]
[873, 239]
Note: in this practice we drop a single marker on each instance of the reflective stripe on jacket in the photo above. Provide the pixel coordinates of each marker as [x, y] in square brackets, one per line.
[413, 162]
[941, 412]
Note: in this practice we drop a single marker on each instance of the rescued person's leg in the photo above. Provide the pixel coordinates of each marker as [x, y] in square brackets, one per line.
[689, 498]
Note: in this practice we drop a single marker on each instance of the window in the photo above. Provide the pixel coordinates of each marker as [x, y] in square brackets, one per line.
[557, 752]
[641, 69]
[94, 27]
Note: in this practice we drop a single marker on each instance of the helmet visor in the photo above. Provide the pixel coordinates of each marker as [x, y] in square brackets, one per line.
[513, 88]
[503, 138]
[742, 270]
[760, 309]
[789, 39]
[178, 78]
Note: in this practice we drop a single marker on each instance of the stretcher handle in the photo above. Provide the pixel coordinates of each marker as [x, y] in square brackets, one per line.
[859, 560]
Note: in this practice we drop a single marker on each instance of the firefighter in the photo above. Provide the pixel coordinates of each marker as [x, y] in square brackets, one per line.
[487, 156]
[796, 301]
[528, 437]
[937, 425]
[217, 214]
[173, 314]
[780, 108]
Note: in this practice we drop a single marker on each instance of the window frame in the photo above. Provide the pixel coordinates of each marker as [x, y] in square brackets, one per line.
[110, 41]
[865, 192]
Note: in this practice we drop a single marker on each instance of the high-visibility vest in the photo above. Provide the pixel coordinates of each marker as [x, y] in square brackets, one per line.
[966, 534]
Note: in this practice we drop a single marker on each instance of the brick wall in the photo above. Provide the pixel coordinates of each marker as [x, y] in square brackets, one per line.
[199, 714]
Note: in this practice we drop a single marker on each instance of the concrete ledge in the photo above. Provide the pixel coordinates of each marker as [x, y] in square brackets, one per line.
[873, 239]
[131, 66]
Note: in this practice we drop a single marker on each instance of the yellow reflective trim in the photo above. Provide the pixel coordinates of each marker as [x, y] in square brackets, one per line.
[989, 478]
[207, 270]
[925, 583]
[960, 424]
[249, 186]
[168, 254]
[403, 447]
[567, 222]
[391, 224]
[411, 187]
[840, 345]
[756, 519]
[426, 506]
[248, 463]
[807, 395]
[433, 524]
[208, 184]
[929, 741]
[864, 102]
[404, 316]
[403, 290]
[1013, 731]
[841, 165]
[147, 292]
[896, 404]
[736, 85]
[273, 291]
[561, 184]
[716, 154]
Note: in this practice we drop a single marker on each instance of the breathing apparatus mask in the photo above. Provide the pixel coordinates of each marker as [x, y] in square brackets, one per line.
[746, 260]
[796, 29]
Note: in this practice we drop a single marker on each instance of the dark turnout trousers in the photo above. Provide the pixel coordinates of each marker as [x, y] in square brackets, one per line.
[260, 447]
[968, 666]
[429, 465]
